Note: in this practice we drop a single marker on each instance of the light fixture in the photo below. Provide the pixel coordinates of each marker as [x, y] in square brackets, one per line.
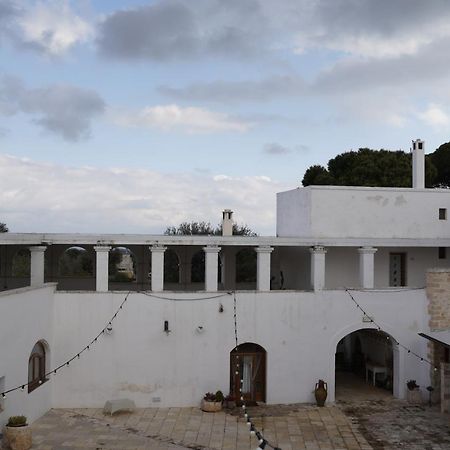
[166, 327]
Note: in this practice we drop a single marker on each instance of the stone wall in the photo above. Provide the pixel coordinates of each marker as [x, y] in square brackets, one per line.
[438, 293]
[445, 387]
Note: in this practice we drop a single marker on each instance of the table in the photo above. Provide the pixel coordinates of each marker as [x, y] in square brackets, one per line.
[374, 368]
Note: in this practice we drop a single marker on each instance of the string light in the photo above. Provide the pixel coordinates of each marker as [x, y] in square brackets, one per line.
[253, 431]
[422, 359]
[66, 363]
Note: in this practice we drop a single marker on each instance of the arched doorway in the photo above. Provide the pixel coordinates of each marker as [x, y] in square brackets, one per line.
[251, 359]
[364, 365]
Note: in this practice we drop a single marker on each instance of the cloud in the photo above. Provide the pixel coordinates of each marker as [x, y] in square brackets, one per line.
[61, 109]
[188, 119]
[53, 27]
[41, 197]
[274, 148]
[239, 91]
[175, 29]
[373, 29]
[436, 116]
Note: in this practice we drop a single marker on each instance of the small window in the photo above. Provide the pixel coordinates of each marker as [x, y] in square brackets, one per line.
[36, 367]
[442, 252]
[442, 213]
[420, 145]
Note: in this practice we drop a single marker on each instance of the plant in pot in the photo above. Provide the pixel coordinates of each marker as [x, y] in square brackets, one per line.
[212, 402]
[229, 402]
[413, 394]
[17, 433]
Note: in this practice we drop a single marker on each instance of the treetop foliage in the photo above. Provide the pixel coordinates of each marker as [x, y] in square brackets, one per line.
[205, 228]
[3, 228]
[383, 168]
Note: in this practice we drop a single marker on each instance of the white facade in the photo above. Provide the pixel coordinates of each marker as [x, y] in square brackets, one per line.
[172, 340]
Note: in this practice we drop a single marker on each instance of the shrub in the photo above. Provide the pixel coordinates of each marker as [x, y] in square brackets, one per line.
[412, 384]
[219, 396]
[17, 421]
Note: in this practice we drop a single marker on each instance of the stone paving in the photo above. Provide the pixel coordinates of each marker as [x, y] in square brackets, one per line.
[371, 424]
[291, 427]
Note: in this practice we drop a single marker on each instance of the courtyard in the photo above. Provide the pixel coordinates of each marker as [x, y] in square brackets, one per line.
[383, 423]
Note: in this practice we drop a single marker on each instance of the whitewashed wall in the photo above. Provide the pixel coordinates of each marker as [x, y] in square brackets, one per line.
[359, 212]
[26, 317]
[299, 331]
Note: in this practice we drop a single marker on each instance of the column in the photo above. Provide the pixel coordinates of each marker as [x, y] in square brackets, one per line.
[263, 268]
[317, 267]
[157, 282]
[211, 267]
[366, 267]
[101, 267]
[37, 265]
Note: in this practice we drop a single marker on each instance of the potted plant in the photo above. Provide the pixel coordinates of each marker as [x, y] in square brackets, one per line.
[212, 402]
[18, 433]
[413, 394]
[229, 402]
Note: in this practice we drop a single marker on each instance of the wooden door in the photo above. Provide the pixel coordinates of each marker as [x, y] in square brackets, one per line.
[251, 359]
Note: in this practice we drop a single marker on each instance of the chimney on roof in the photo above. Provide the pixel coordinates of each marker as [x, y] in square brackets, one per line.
[227, 222]
[418, 164]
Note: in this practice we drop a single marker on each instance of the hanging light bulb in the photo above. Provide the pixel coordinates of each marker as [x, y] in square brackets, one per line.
[252, 430]
[262, 445]
[3, 395]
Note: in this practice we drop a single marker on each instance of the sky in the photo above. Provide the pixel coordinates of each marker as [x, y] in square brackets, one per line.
[131, 116]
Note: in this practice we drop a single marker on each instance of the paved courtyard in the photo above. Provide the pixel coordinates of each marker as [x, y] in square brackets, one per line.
[366, 424]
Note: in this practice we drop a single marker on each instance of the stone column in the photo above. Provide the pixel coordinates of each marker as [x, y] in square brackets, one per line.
[102, 263]
[37, 265]
[211, 267]
[317, 267]
[157, 282]
[366, 267]
[263, 268]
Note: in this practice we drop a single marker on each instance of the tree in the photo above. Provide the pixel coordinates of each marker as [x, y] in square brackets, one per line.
[3, 228]
[368, 167]
[206, 229]
[441, 160]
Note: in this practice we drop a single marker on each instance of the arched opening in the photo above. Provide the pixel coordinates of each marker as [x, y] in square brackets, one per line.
[246, 268]
[198, 267]
[21, 264]
[171, 267]
[75, 262]
[37, 366]
[249, 360]
[122, 265]
[364, 365]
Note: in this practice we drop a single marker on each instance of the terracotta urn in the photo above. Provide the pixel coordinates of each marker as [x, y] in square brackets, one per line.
[414, 396]
[321, 392]
[18, 438]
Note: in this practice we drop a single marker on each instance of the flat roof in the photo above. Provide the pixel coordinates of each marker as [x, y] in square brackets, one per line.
[151, 239]
[440, 337]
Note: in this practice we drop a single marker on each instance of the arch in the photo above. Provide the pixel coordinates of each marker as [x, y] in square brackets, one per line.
[198, 267]
[21, 263]
[246, 266]
[121, 265]
[249, 360]
[171, 266]
[397, 355]
[38, 364]
[75, 262]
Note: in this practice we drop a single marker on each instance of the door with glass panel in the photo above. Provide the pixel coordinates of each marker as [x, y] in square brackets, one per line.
[249, 360]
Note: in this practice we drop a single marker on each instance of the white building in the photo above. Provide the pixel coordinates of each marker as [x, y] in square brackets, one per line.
[174, 338]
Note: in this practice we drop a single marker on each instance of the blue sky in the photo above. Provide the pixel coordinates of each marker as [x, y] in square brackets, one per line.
[129, 116]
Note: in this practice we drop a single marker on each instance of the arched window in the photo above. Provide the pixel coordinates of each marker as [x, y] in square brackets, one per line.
[122, 265]
[76, 262]
[21, 263]
[36, 367]
[171, 267]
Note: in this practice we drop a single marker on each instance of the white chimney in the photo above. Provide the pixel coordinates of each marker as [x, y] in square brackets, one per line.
[227, 222]
[418, 164]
